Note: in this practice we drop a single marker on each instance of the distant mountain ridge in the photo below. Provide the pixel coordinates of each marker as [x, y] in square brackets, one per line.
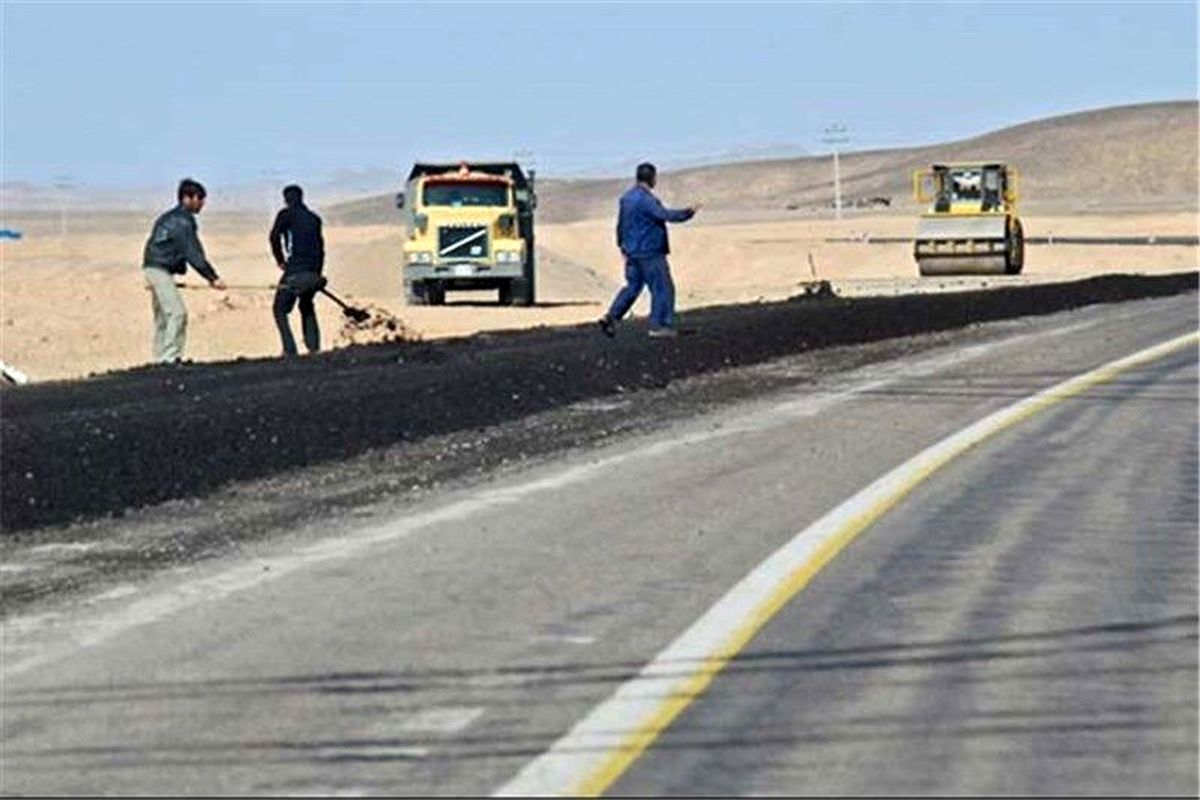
[1136, 157]
[1126, 157]
[259, 195]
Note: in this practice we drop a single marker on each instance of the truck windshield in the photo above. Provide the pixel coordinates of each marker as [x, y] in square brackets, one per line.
[457, 194]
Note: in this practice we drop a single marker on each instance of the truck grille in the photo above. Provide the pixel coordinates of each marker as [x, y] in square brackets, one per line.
[463, 241]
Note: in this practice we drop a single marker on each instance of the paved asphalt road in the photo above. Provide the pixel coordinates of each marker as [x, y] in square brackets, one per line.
[1024, 621]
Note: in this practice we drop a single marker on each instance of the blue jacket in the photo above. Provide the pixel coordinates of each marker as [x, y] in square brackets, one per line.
[642, 223]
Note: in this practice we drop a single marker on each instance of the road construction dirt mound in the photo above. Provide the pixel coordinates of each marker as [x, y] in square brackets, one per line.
[74, 450]
[378, 326]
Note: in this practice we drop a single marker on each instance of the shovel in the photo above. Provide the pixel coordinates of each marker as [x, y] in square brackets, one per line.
[356, 315]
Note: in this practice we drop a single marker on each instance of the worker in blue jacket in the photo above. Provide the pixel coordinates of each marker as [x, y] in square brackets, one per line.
[642, 236]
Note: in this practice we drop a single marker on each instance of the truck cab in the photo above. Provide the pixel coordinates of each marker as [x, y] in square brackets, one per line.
[469, 228]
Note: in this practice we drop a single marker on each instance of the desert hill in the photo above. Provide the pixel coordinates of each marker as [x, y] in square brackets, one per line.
[1126, 158]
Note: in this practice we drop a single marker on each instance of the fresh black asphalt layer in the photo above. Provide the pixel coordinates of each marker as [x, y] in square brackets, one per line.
[243, 514]
[76, 450]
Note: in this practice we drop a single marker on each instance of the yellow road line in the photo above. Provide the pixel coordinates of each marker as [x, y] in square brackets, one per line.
[637, 741]
[573, 767]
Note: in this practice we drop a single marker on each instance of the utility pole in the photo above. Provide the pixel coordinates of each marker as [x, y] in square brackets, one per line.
[64, 184]
[836, 135]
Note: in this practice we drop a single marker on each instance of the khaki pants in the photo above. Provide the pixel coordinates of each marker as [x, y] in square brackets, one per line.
[170, 315]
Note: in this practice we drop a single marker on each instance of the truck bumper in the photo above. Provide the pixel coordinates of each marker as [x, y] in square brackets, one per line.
[463, 271]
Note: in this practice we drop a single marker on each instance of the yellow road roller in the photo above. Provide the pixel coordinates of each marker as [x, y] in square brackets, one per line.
[971, 227]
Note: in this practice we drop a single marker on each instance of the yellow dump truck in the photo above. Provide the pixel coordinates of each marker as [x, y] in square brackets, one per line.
[971, 226]
[469, 228]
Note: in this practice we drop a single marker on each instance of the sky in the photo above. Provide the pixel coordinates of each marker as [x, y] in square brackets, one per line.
[133, 94]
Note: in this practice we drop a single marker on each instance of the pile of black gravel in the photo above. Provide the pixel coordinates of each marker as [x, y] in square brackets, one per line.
[78, 449]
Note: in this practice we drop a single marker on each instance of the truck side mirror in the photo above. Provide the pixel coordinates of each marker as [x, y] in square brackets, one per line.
[400, 200]
[527, 198]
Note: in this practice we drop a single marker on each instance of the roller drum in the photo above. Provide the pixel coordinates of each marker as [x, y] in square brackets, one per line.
[949, 245]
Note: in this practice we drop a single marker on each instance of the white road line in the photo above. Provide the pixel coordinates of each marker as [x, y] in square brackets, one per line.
[115, 593]
[448, 720]
[599, 748]
[64, 547]
[92, 631]
[370, 752]
[29, 622]
[565, 639]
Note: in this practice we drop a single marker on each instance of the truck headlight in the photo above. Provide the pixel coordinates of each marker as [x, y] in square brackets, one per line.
[508, 257]
[420, 257]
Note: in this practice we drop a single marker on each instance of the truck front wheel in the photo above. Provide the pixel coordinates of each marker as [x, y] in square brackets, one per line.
[424, 293]
[520, 292]
[435, 293]
[414, 293]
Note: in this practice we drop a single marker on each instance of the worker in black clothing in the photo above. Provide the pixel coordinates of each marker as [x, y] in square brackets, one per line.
[299, 250]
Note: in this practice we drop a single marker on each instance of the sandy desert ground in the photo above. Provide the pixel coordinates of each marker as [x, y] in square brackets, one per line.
[76, 305]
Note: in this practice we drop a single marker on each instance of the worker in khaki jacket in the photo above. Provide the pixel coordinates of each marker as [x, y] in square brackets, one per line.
[173, 244]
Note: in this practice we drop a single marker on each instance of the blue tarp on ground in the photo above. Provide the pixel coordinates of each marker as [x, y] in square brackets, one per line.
[8, 233]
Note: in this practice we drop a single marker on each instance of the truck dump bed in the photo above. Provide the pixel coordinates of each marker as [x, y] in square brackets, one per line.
[507, 169]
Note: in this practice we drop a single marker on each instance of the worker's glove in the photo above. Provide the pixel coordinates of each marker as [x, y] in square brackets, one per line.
[322, 282]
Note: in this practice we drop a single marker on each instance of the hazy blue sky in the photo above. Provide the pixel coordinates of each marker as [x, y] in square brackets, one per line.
[129, 94]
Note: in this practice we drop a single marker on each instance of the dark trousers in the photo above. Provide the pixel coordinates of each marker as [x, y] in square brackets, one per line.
[298, 287]
[652, 271]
